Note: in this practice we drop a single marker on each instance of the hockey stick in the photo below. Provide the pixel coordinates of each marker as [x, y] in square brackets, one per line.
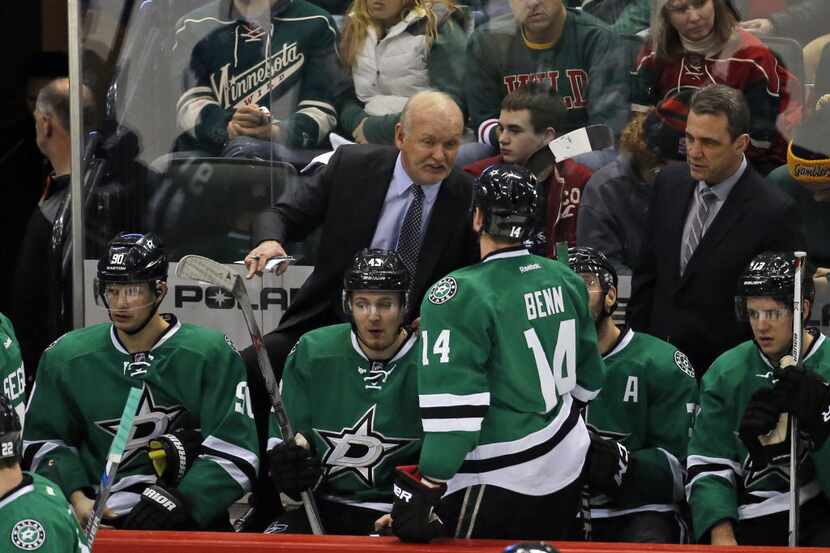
[196, 267]
[119, 443]
[795, 507]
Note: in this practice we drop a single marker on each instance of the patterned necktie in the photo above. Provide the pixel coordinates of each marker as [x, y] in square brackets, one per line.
[409, 242]
[706, 199]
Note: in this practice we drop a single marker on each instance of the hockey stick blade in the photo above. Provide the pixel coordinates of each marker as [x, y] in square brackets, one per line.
[196, 267]
[580, 141]
[116, 452]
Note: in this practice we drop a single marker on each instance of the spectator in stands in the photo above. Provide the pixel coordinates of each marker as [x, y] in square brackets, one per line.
[707, 219]
[806, 179]
[41, 300]
[807, 21]
[257, 72]
[394, 49]
[613, 214]
[406, 198]
[22, 163]
[574, 52]
[625, 17]
[697, 43]
[529, 119]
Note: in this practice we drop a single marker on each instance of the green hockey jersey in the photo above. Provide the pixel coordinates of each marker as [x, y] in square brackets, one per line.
[720, 485]
[647, 403]
[35, 516]
[362, 415]
[287, 63]
[11, 368]
[192, 377]
[507, 346]
[587, 68]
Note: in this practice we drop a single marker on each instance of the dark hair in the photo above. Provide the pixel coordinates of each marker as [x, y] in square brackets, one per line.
[546, 108]
[720, 99]
[666, 39]
[54, 98]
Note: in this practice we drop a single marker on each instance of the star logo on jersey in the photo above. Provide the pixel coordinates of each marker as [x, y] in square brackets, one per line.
[151, 420]
[683, 363]
[443, 291]
[359, 449]
[28, 535]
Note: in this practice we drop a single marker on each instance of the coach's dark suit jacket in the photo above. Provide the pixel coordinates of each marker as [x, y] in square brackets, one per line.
[696, 312]
[346, 199]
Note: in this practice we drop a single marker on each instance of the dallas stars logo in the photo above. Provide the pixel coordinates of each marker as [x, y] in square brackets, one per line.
[359, 449]
[151, 420]
[28, 535]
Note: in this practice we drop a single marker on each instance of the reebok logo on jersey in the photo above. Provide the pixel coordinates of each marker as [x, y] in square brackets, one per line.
[531, 267]
[161, 499]
[401, 494]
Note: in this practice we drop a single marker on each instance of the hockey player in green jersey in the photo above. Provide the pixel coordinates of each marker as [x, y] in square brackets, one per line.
[11, 367]
[192, 380]
[351, 391]
[645, 407]
[738, 490]
[508, 352]
[34, 514]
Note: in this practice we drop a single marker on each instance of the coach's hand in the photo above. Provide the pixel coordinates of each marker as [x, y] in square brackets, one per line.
[257, 258]
[414, 516]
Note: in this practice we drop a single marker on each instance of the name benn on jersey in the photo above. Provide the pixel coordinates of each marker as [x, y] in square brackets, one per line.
[359, 449]
[577, 78]
[151, 420]
[544, 303]
[254, 84]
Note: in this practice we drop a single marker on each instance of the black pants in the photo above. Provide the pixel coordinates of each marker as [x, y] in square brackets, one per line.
[490, 512]
[337, 518]
[814, 530]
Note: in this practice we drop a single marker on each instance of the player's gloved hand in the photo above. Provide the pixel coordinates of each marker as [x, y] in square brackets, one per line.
[608, 462]
[414, 517]
[159, 509]
[294, 468]
[760, 417]
[806, 395]
[172, 454]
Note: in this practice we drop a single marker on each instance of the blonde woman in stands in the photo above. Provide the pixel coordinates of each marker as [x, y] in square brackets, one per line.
[394, 49]
[697, 43]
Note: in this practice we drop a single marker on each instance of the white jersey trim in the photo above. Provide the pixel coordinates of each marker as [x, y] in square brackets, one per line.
[621, 345]
[233, 471]
[678, 475]
[778, 502]
[506, 255]
[21, 492]
[48, 445]
[611, 513]
[471, 424]
[453, 400]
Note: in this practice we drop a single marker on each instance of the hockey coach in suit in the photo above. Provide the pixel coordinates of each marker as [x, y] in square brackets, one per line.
[408, 199]
[708, 218]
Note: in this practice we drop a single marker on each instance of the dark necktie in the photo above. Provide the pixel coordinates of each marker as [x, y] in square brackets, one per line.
[706, 199]
[409, 242]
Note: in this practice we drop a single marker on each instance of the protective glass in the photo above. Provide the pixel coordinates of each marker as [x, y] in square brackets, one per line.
[766, 314]
[124, 295]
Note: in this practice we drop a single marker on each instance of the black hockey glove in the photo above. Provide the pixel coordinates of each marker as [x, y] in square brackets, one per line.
[806, 395]
[413, 512]
[760, 418]
[159, 509]
[172, 454]
[294, 469]
[608, 462]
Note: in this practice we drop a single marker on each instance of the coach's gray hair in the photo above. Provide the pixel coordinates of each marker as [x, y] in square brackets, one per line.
[54, 99]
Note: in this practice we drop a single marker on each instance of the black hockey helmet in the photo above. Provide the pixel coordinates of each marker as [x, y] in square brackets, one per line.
[584, 259]
[772, 274]
[377, 270]
[530, 547]
[133, 257]
[10, 439]
[507, 196]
